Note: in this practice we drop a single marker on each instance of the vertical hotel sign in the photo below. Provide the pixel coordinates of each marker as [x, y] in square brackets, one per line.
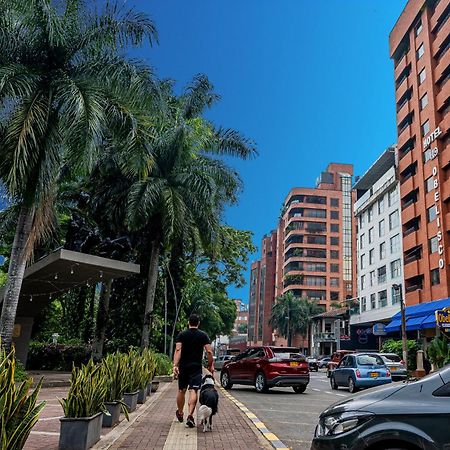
[430, 154]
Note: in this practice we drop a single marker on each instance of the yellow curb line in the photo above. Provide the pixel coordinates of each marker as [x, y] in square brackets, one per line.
[272, 438]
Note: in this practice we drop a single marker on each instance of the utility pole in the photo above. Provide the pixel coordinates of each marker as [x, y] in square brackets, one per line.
[398, 288]
[165, 316]
[288, 323]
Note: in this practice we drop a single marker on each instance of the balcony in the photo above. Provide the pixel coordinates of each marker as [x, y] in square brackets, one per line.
[445, 125]
[408, 184]
[442, 65]
[440, 8]
[445, 190]
[410, 240]
[401, 66]
[405, 135]
[445, 157]
[401, 90]
[324, 337]
[411, 269]
[409, 213]
[413, 296]
[443, 96]
[403, 113]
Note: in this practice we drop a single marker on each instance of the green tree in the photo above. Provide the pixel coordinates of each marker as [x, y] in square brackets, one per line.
[291, 315]
[63, 85]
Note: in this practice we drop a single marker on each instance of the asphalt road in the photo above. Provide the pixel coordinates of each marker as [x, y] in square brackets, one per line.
[292, 417]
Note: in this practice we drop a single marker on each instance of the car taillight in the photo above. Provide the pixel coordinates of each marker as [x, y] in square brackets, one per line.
[402, 362]
[358, 373]
[388, 373]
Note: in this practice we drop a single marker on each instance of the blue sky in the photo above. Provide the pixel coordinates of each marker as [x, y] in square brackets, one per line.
[310, 81]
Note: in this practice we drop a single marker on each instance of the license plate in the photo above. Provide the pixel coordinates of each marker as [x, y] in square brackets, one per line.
[393, 369]
[374, 374]
[294, 363]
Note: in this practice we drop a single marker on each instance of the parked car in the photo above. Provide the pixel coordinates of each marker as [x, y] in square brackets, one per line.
[360, 370]
[266, 367]
[336, 359]
[396, 365]
[219, 362]
[411, 415]
[323, 362]
[313, 364]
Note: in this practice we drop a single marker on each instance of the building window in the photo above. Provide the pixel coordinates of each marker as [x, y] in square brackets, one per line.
[422, 76]
[393, 197]
[363, 304]
[429, 184]
[334, 215]
[433, 244]
[381, 205]
[396, 295]
[383, 250]
[382, 299]
[420, 51]
[363, 282]
[362, 241]
[393, 220]
[381, 228]
[334, 202]
[423, 101]
[373, 278]
[435, 277]
[334, 268]
[334, 281]
[431, 213]
[363, 261]
[373, 303]
[334, 241]
[334, 296]
[370, 214]
[371, 256]
[395, 244]
[425, 128]
[395, 268]
[371, 235]
[382, 275]
[334, 227]
[418, 27]
[334, 254]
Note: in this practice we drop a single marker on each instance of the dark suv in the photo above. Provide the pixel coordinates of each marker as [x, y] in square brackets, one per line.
[266, 367]
[404, 416]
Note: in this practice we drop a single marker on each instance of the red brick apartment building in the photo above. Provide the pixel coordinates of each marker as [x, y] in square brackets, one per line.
[241, 315]
[420, 48]
[310, 254]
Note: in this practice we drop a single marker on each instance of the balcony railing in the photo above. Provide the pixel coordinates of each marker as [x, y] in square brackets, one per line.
[324, 337]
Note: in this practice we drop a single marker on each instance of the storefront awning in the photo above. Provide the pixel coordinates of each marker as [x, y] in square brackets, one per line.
[418, 317]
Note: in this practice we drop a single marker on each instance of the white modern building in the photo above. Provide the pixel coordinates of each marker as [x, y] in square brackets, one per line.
[379, 242]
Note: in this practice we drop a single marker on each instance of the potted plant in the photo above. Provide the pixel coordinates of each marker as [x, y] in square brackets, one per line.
[131, 389]
[149, 356]
[164, 370]
[115, 373]
[20, 410]
[83, 408]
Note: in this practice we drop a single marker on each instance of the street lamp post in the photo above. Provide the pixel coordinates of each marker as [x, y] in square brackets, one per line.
[398, 288]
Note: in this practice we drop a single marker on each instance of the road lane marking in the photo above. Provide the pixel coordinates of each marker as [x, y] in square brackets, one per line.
[317, 390]
[341, 395]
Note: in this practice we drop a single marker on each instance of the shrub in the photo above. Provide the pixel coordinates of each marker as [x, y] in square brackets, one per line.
[396, 346]
[439, 351]
[163, 364]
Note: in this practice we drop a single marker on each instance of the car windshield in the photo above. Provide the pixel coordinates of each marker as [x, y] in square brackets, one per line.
[288, 353]
[391, 358]
[369, 360]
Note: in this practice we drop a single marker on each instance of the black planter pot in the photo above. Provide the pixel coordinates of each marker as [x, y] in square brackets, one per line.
[142, 396]
[130, 399]
[114, 414]
[149, 388]
[80, 433]
[155, 386]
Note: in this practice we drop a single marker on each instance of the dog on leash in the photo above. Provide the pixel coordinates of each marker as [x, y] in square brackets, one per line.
[209, 402]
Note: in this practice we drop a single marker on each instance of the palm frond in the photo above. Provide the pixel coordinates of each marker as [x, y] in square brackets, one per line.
[198, 96]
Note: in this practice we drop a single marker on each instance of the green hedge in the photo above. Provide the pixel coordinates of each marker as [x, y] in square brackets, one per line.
[163, 364]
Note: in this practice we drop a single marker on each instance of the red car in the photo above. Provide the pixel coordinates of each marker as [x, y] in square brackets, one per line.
[266, 367]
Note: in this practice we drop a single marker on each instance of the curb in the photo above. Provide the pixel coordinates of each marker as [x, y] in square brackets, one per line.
[272, 438]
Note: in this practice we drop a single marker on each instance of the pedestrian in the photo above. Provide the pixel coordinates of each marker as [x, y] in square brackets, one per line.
[187, 366]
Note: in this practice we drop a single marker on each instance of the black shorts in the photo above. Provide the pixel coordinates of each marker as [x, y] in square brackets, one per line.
[190, 377]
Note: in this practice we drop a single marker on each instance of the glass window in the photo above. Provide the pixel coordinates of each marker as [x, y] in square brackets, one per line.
[334, 268]
[370, 214]
[382, 275]
[334, 202]
[334, 215]
[334, 227]
[383, 250]
[381, 228]
[422, 76]
[334, 281]
[369, 360]
[334, 254]
[371, 235]
[362, 239]
[393, 197]
[420, 51]
[429, 184]
[363, 304]
[363, 282]
[435, 277]
[431, 213]
[381, 205]
[395, 244]
[418, 28]
[396, 295]
[433, 244]
[393, 220]
[363, 261]
[424, 101]
[373, 303]
[371, 256]
[395, 268]
[373, 278]
[425, 128]
[334, 241]
[382, 299]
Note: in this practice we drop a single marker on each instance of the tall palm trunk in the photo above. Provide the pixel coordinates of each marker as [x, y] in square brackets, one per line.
[102, 320]
[16, 272]
[152, 278]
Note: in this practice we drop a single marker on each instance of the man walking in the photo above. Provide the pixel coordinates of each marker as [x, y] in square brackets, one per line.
[187, 366]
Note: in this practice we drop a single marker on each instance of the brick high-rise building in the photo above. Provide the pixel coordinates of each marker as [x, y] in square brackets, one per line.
[420, 47]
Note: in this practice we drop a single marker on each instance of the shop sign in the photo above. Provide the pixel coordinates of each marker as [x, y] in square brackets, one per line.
[379, 329]
[443, 318]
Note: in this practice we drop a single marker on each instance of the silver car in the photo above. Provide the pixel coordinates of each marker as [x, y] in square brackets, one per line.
[395, 364]
[219, 362]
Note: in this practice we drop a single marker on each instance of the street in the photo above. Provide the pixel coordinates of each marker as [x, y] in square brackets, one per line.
[292, 417]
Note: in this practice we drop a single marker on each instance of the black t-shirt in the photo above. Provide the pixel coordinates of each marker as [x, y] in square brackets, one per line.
[193, 340]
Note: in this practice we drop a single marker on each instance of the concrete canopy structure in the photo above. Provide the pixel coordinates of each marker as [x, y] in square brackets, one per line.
[55, 273]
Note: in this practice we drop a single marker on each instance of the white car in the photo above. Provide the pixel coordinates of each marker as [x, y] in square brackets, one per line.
[219, 362]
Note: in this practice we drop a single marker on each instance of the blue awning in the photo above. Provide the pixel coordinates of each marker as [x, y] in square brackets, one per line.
[418, 317]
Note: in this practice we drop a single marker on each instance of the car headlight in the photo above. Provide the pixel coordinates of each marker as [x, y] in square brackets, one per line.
[340, 423]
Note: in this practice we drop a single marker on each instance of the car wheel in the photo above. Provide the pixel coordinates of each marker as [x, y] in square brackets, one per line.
[260, 383]
[225, 380]
[351, 386]
[299, 389]
[333, 383]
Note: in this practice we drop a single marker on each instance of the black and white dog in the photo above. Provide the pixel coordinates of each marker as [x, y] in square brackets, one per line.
[209, 402]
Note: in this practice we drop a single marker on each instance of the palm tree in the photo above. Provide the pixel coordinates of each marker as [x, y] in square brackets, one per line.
[182, 196]
[63, 84]
[292, 315]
